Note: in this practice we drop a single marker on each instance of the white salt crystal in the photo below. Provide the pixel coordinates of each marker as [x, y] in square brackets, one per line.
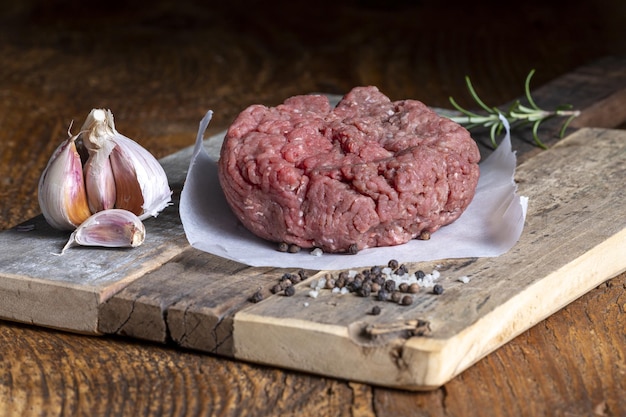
[464, 279]
[317, 252]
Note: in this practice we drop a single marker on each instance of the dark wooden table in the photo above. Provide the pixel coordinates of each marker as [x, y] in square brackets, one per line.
[159, 66]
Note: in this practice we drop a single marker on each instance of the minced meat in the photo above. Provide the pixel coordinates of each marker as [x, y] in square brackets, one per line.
[370, 172]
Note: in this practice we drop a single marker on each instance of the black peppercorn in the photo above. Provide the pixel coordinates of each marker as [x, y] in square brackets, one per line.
[365, 290]
[276, 289]
[353, 249]
[438, 289]
[257, 296]
[390, 285]
[403, 287]
[302, 274]
[382, 295]
[283, 247]
[393, 264]
[375, 311]
[407, 300]
[420, 274]
[414, 288]
[293, 248]
[355, 285]
[289, 291]
[395, 296]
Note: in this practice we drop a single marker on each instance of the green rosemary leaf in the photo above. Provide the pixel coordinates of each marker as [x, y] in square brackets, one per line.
[517, 114]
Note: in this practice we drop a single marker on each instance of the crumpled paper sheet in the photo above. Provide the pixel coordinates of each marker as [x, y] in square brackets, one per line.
[489, 227]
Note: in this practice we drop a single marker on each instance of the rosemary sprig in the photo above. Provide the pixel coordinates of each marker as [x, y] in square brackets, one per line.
[517, 114]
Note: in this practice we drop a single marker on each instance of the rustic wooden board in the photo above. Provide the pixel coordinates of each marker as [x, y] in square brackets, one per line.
[168, 292]
[574, 239]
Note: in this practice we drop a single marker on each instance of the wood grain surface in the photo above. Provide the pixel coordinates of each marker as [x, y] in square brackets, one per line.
[160, 65]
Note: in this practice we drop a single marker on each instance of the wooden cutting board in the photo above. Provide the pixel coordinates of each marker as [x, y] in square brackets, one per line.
[166, 291]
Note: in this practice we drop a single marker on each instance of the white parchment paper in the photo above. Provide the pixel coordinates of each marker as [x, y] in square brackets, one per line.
[490, 226]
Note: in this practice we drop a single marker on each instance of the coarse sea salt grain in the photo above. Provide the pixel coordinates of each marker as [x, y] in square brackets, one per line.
[464, 279]
[313, 293]
[317, 252]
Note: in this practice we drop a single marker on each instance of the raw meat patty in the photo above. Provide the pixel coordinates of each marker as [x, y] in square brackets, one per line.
[368, 173]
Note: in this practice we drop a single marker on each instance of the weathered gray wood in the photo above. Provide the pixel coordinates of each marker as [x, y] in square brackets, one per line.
[38, 286]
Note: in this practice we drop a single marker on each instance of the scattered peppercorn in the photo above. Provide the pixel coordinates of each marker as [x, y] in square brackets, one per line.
[353, 249]
[293, 248]
[276, 289]
[382, 295]
[375, 311]
[414, 288]
[283, 247]
[390, 285]
[396, 296]
[438, 289]
[407, 300]
[402, 269]
[365, 290]
[393, 264]
[340, 282]
[330, 282]
[355, 284]
[289, 291]
[424, 236]
[403, 287]
[420, 274]
[257, 296]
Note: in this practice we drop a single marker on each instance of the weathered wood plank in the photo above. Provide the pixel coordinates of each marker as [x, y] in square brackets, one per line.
[573, 220]
[574, 240]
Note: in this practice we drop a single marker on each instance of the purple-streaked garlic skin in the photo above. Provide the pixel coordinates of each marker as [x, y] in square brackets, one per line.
[111, 228]
[115, 173]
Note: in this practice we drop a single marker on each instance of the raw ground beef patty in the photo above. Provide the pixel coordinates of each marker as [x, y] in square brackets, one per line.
[368, 173]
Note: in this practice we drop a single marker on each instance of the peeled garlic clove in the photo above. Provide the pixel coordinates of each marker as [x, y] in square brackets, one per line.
[61, 190]
[113, 228]
[139, 178]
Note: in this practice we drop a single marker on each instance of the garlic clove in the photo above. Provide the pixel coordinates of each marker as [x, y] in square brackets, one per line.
[113, 228]
[100, 182]
[61, 190]
[128, 190]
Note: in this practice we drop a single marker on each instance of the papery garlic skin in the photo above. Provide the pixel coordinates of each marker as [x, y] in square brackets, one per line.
[141, 184]
[61, 191]
[113, 228]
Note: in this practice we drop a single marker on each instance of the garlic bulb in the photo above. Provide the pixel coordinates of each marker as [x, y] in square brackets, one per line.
[117, 173]
[114, 228]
